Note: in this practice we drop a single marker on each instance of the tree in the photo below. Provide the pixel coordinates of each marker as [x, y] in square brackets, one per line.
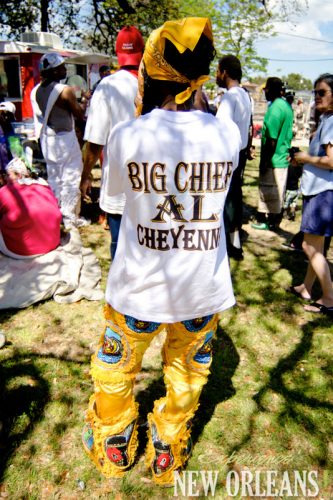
[284, 8]
[295, 81]
[197, 8]
[17, 16]
[60, 16]
[259, 80]
[95, 26]
[238, 24]
[112, 15]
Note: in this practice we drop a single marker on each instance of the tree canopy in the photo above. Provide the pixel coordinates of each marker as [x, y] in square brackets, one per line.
[61, 17]
[238, 25]
[94, 24]
[17, 16]
[296, 81]
[293, 81]
[110, 16]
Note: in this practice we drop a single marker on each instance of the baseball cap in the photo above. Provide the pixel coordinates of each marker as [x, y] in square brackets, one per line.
[129, 46]
[17, 166]
[50, 61]
[8, 106]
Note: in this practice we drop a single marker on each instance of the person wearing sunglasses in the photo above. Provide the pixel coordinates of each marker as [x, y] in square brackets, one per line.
[317, 191]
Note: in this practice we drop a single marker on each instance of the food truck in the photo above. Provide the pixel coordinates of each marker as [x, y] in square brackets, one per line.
[19, 68]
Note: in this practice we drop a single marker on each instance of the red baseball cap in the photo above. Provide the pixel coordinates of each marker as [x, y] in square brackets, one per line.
[129, 46]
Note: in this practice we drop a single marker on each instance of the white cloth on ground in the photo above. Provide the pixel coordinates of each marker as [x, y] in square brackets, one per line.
[68, 274]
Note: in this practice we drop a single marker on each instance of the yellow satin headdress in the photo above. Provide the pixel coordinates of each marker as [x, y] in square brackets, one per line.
[183, 34]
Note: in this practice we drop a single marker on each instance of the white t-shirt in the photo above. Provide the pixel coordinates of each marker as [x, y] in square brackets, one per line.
[236, 104]
[175, 168]
[315, 180]
[111, 103]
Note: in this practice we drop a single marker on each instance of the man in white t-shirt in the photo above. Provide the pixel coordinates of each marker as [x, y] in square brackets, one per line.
[236, 104]
[171, 270]
[111, 103]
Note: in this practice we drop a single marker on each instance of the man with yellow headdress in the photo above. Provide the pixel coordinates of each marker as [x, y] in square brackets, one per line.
[171, 269]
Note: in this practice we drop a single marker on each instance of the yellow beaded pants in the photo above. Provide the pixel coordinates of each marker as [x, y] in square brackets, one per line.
[110, 436]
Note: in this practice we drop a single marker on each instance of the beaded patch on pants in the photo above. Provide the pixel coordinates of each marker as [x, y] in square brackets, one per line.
[116, 447]
[164, 455]
[111, 449]
[163, 460]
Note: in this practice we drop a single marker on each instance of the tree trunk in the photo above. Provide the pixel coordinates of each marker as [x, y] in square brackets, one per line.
[44, 6]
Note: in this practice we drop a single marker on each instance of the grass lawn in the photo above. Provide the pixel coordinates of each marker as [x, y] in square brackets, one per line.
[267, 406]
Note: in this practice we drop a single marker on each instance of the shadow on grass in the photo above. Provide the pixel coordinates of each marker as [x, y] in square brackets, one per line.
[296, 403]
[304, 409]
[218, 388]
[6, 314]
[23, 395]
[296, 263]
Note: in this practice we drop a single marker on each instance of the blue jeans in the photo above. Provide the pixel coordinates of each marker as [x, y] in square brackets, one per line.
[114, 221]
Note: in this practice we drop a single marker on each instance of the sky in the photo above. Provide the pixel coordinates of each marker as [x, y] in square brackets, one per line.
[300, 45]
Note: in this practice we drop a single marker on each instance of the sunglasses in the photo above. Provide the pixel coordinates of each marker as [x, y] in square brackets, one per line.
[320, 92]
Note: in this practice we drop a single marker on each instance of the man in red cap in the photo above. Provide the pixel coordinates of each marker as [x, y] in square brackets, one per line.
[112, 102]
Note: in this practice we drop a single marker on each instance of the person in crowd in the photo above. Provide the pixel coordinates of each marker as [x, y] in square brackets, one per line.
[218, 98]
[60, 147]
[29, 214]
[292, 190]
[112, 102]
[10, 145]
[275, 144]
[201, 101]
[289, 96]
[104, 71]
[83, 96]
[314, 116]
[296, 243]
[174, 163]
[317, 191]
[37, 114]
[79, 85]
[236, 104]
[299, 118]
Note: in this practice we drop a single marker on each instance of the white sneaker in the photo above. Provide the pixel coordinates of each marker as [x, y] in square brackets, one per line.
[70, 223]
[2, 340]
[81, 222]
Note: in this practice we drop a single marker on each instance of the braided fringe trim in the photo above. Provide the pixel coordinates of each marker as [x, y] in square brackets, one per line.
[178, 442]
[102, 431]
